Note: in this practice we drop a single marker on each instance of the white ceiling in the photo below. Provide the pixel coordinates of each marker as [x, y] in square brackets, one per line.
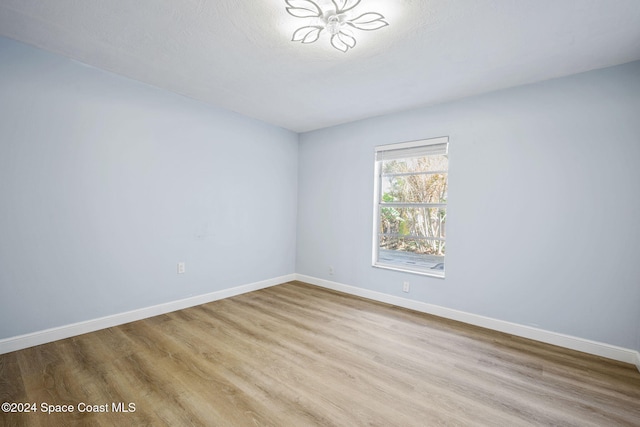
[237, 54]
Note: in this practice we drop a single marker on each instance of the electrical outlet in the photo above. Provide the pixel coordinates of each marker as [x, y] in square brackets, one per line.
[330, 270]
[181, 268]
[405, 287]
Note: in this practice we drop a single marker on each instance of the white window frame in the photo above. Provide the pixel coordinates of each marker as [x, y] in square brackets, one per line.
[383, 152]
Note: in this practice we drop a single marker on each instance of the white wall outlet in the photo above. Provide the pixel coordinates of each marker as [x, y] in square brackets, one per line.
[405, 287]
[330, 270]
[181, 268]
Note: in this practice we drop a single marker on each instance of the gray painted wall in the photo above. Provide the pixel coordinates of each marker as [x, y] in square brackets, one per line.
[544, 204]
[106, 183]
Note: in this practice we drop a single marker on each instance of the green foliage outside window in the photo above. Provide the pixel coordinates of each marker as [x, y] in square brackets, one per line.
[418, 229]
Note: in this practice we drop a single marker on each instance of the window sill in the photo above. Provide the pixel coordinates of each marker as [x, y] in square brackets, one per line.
[430, 273]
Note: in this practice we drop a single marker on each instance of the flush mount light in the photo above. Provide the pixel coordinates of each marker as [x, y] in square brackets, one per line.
[337, 18]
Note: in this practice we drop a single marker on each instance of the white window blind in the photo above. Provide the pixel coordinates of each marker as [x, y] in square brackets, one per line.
[426, 147]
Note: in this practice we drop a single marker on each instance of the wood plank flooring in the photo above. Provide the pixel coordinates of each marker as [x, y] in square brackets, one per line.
[298, 355]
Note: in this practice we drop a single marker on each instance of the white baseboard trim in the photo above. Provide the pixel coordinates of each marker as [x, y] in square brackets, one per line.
[48, 335]
[567, 341]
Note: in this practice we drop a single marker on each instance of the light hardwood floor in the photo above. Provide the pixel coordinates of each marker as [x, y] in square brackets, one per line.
[298, 355]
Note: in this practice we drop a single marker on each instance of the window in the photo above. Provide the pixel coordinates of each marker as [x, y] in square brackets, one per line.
[411, 206]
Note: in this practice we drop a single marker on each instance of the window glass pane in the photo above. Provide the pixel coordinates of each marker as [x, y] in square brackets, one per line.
[413, 222]
[417, 164]
[412, 215]
[388, 254]
[421, 188]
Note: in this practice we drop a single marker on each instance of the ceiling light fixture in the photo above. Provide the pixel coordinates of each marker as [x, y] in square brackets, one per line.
[337, 18]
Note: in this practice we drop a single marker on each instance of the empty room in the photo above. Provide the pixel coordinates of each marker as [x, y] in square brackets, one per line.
[320, 212]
